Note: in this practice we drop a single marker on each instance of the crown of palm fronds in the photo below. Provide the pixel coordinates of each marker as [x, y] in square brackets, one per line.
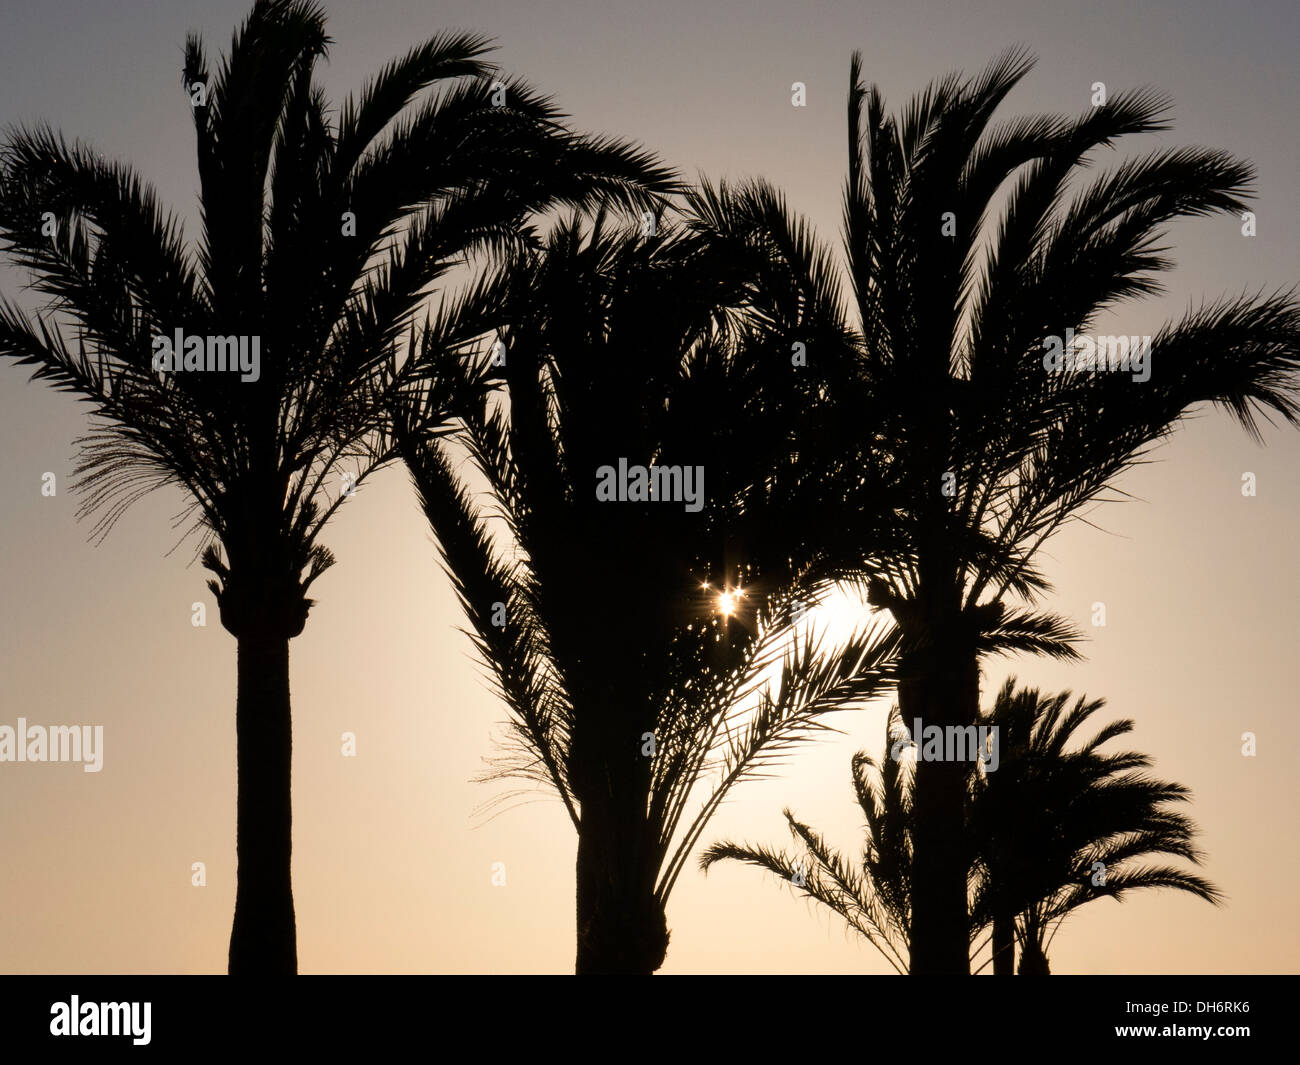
[621, 345]
[322, 237]
[1087, 823]
[873, 898]
[947, 318]
[1042, 826]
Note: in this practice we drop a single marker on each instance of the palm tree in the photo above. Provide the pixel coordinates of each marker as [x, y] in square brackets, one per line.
[1048, 831]
[1082, 824]
[634, 642]
[987, 441]
[321, 239]
[874, 898]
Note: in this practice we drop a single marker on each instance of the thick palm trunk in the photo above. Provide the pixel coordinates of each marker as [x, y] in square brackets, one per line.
[941, 691]
[1004, 946]
[263, 940]
[621, 926]
[1033, 962]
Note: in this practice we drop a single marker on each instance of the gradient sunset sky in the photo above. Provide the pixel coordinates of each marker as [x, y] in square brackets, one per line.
[392, 864]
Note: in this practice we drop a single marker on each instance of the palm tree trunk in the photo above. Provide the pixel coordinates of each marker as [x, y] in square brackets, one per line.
[263, 940]
[1004, 946]
[1033, 962]
[943, 691]
[621, 926]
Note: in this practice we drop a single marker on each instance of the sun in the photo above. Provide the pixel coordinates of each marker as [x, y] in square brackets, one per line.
[729, 601]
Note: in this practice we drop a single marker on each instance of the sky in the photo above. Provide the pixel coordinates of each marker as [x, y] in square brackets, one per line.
[393, 857]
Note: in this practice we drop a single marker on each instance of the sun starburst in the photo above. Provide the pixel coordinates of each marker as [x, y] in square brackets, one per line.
[729, 601]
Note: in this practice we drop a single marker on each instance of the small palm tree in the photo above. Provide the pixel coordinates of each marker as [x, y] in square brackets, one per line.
[1049, 830]
[1058, 828]
[966, 425]
[633, 641]
[875, 897]
[321, 239]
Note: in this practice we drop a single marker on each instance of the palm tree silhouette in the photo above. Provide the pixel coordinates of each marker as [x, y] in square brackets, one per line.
[321, 239]
[634, 641]
[965, 429]
[1080, 825]
[1048, 831]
